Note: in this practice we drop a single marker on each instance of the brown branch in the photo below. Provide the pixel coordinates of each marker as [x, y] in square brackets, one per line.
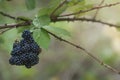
[12, 17]
[98, 9]
[90, 54]
[27, 23]
[59, 6]
[5, 31]
[84, 19]
[94, 8]
[15, 25]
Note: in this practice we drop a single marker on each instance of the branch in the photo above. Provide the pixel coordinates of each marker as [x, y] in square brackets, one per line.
[15, 25]
[12, 17]
[5, 31]
[90, 54]
[59, 6]
[27, 23]
[94, 8]
[98, 9]
[84, 19]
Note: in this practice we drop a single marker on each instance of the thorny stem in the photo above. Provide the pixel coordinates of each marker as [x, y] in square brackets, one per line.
[9, 16]
[90, 54]
[98, 9]
[94, 8]
[5, 31]
[84, 19]
[15, 25]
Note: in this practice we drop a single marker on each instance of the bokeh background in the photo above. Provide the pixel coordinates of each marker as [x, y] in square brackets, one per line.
[62, 61]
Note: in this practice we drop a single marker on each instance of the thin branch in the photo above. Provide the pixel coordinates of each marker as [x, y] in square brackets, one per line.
[15, 25]
[98, 9]
[90, 54]
[84, 19]
[59, 6]
[94, 8]
[5, 31]
[12, 17]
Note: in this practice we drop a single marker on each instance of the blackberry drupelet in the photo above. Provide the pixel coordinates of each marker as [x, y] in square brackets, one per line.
[26, 34]
[25, 52]
[35, 48]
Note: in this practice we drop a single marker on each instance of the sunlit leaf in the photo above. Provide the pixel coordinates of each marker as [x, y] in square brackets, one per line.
[58, 31]
[42, 38]
[41, 21]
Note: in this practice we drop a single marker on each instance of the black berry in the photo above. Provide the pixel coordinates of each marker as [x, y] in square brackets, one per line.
[25, 52]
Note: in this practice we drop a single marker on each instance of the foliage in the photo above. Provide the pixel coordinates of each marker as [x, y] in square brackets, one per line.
[43, 20]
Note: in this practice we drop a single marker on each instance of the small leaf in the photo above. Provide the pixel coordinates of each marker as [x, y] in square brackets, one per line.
[58, 31]
[42, 38]
[30, 4]
[41, 21]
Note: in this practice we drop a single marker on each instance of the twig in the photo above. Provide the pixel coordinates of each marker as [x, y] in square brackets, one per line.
[98, 9]
[90, 54]
[94, 8]
[59, 6]
[12, 17]
[84, 19]
[15, 25]
[5, 31]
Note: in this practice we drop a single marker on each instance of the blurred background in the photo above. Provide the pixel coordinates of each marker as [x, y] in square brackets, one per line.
[62, 61]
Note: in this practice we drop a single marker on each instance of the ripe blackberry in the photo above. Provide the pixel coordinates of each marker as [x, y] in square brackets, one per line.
[26, 51]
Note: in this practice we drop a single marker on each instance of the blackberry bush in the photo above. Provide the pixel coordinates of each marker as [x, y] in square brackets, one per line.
[25, 52]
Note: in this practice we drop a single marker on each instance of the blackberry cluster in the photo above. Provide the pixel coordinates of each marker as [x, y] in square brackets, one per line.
[25, 52]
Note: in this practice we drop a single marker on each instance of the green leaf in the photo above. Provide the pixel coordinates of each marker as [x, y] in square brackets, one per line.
[30, 4]
[51, 7]
[42, 38]
[44, 11]
[53, 4]
[21, 29]
[41, 21]
[61, 10]
[58, 31]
